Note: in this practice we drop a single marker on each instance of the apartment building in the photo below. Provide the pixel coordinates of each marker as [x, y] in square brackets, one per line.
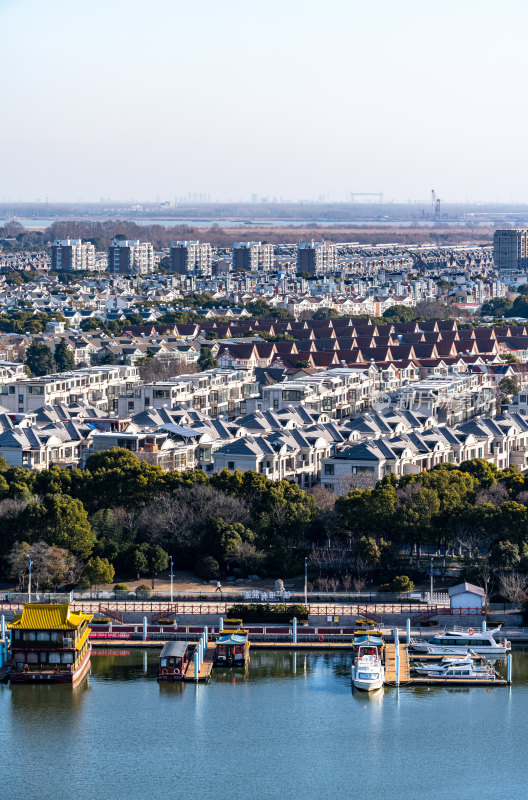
[95, 386]
[510, 249]
[191, 258]
[316, 258]
[71, 255]
[252, 256]
[216, 392]
[450, 399]
[130, 257]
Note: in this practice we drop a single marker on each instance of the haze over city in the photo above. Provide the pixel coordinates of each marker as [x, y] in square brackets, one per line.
[127, 101]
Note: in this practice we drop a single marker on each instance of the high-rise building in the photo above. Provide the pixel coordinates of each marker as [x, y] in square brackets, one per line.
[510, 249]
[316, 258]
[130, 258]
[72, 255]
[253, 256]
[191, 258]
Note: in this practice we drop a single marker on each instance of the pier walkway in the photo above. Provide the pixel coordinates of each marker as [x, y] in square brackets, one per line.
[390, 664]
[205, 670]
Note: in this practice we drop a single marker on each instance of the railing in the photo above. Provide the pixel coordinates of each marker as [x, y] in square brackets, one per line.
[110, 613]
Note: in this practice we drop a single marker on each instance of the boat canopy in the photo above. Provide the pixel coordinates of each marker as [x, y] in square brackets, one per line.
[233, 638]
[374, 641]
[174, 649]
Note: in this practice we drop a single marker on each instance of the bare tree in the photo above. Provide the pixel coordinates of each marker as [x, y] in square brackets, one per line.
[346, 580]
[497, 494]
[513, 586]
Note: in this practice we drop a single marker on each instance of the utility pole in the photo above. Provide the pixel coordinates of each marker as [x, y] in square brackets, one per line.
[431, 582]
[306, 581]
[172, 578]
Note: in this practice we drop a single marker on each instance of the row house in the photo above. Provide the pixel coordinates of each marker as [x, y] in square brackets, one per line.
[449, 400]
[213, 392]
[61, 444]
[156, 448]
[97, 386]
[503, 441]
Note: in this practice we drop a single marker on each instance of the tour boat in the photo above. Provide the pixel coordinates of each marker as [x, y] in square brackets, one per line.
[173, 661]
[455, 641]
[232, 649]
[368, 673]
[49, 643]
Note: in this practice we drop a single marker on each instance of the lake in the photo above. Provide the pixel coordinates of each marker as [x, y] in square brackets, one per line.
[291, 727]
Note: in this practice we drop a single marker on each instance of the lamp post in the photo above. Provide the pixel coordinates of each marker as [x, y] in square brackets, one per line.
[306, 581]
[172, 579]
[29, 579]
[431, 597]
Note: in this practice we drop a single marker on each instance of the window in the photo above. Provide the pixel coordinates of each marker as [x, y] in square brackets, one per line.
[231, 465]
[329, 469]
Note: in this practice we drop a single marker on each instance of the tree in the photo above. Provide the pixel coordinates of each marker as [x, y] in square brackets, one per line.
[206, 359]
[513, 587]
[402, 583]
[51, 566]
[39, 359]
[399, 313]
[508, 387]
[66, 524]
[496, 307]
[99, 571]
[64, 358]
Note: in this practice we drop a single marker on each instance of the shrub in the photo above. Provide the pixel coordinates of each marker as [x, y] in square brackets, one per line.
[121, 587]
[208, 568]
[232, 622]
[166, 621]
[144, 587]
[100, 621]
[402, 583]
[268, 612]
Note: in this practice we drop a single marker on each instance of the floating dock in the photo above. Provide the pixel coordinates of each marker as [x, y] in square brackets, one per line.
[204, 672]
[391, 678]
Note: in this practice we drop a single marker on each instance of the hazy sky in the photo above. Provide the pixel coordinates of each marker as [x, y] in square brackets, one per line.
[133, 99]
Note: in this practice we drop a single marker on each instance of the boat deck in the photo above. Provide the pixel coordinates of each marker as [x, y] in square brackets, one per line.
[205, 670]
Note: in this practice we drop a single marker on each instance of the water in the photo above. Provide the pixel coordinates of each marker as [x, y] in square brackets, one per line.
[290, 728]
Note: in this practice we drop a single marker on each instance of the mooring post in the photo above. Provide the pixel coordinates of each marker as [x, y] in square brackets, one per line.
[205, 636]
[509, 668]
[408, 631]
[220, 624]
[483, 626]
[397, 655]
[6, 640]
[196, 667]
[144, 629]
[294, 630]
[2, 628]
[397, 666]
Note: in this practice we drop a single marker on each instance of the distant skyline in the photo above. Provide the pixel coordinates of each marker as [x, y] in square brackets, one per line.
[140, 101]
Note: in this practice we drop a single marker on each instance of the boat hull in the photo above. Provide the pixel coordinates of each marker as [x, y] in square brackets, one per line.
[71, 678]
[368, 686]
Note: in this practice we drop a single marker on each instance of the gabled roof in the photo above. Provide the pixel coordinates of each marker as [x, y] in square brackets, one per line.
[460, 588]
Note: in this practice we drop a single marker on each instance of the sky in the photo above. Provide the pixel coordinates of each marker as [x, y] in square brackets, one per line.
[295, 99]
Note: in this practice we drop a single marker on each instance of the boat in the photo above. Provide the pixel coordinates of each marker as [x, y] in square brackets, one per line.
[462, 671]
[459, 641]
[49, 643]
[448, 661]
[174, 660]
[368, 673]
[232, 649]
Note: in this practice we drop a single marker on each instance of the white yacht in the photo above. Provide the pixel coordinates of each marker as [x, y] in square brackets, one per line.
[462, 671]
[368, 673]
[459, 641]
[445, 663]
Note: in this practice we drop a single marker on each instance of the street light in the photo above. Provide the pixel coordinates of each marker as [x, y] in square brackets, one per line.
[29, 579]
[172, 579]
[431, 597]
[305, 580]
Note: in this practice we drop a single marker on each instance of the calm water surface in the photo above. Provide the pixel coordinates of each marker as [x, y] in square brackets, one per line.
[291, 727]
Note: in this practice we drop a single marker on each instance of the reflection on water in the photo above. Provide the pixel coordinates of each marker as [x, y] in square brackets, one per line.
[287, 726]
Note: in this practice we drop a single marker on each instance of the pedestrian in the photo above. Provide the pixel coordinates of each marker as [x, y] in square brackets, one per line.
[218, 587]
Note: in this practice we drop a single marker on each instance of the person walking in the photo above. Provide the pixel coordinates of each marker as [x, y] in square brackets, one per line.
[218, 588]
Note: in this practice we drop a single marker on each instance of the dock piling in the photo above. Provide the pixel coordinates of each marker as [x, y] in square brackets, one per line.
[144, 629]
[294, 630]
[483, 626]
[221, 624]
[2, 627]
[196, 666]
[509, 677]
[408, 630]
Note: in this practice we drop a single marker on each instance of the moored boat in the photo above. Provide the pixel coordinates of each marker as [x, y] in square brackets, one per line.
[459, 641]
[49, 643]
[368, 673]
[174, 660]
[232, 649]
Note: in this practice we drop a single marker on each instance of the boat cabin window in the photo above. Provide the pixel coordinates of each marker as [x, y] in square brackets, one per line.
[43, 636]
[54, 658]
[67, 658]
[367, 676]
